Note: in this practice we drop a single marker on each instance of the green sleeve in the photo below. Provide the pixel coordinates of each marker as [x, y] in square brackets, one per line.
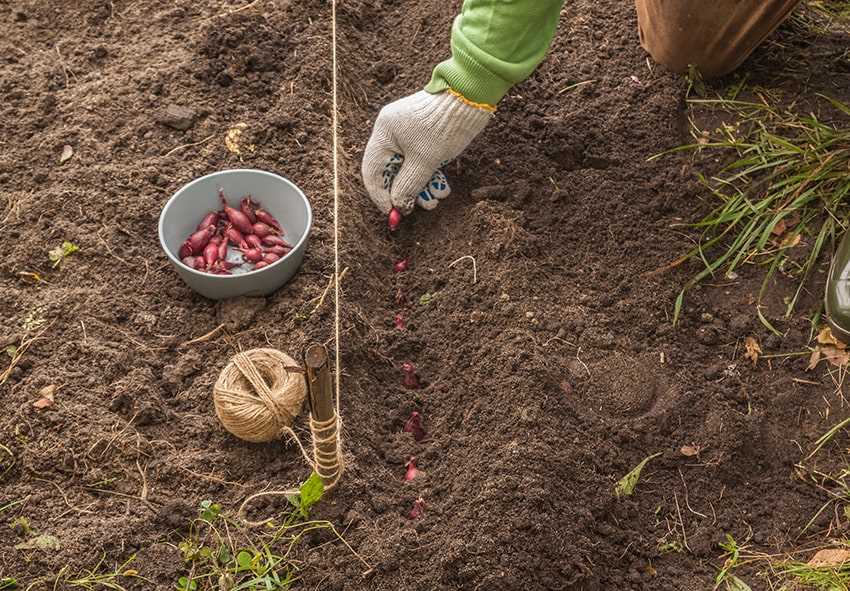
[496, 44]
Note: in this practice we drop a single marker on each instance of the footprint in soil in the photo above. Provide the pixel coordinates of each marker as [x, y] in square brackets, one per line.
[627, 386]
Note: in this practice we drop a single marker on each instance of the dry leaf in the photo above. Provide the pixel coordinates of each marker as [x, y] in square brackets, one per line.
[690, 450]
[825, 337]
[67, 152]
[837, 357]
[650, 570]
[830, 557]
[814, 359]
[779, 228]
[46, 397]
[753, 350]
[790, 241]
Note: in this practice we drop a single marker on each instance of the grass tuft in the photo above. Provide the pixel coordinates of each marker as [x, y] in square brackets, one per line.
[828, 578]
[781, 198]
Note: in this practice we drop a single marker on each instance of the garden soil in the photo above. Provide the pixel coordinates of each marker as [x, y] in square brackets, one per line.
[543, 339]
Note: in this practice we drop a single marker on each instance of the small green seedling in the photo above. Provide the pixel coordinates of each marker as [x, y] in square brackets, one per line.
[695, 82]
[60, 253]
[210, 511]
[186, 584]
[626, 486]
[308, 495]
[732, 552]
[189, 549]
[425, 299]
[8, 583]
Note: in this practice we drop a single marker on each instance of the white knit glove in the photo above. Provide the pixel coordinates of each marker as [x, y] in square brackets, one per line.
[412, 138]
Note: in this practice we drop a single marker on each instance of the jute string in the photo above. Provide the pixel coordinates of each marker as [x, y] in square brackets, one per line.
[258, 394]
[256, 398]
[327, 465]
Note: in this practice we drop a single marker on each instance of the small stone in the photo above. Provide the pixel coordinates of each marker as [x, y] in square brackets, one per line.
[121, 404]
[504, 297]
[740, 324]
[177, 117]
[713, 372]
[529, 315]
[149, 415]
[491, 192]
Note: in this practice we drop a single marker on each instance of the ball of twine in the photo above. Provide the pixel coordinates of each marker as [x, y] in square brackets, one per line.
[258, 394]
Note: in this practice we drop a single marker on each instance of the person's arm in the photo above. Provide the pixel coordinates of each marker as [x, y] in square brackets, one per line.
[495, 45]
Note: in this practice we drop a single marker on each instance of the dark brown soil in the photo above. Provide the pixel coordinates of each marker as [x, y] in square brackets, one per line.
[547, 379]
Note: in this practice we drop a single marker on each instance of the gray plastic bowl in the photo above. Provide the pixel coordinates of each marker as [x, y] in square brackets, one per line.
[280, 197]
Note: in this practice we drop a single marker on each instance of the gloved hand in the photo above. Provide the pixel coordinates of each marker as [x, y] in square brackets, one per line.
[412, 138]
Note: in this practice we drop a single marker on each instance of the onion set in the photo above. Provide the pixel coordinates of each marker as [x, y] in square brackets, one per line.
[250, 230]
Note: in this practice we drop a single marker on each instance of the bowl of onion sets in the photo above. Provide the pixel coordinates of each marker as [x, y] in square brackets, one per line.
[236, 232]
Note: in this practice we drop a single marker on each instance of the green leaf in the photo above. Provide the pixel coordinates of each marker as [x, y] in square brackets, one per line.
[224, 554]
[733, 583]
[210, 511]
[626, 486]
[186, 584]
[11, 350]
[42, 542]
[244, 559]
[8, 584]
[188, 549]
[425, 299]
[311, 492]
[58, 254]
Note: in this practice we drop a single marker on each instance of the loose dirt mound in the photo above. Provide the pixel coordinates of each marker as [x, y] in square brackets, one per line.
[550, 372]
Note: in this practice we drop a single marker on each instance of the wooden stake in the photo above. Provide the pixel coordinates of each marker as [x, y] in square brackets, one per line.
[320, 396]
[319, 384]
